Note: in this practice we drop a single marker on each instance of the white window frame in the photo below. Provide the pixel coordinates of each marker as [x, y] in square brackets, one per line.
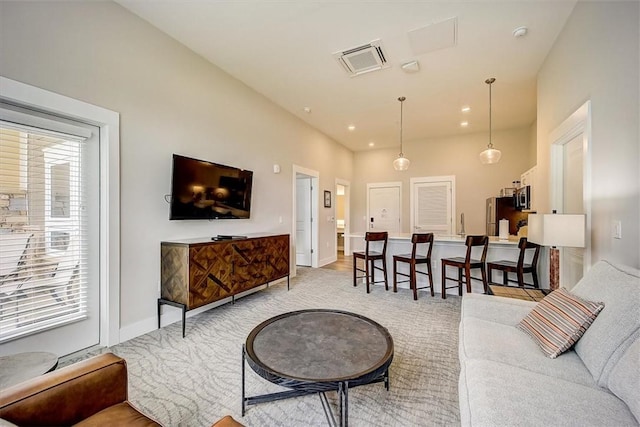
[109, 123]
[432, 179]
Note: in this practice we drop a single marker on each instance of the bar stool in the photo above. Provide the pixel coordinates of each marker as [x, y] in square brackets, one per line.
[413, 260]
[370, 256]
[519, 267]
[466, 263]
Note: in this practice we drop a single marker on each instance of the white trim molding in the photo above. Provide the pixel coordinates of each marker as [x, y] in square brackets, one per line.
[109, 123]
[578, 123]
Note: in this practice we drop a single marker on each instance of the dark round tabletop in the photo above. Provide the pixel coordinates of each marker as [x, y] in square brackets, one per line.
[323, 347]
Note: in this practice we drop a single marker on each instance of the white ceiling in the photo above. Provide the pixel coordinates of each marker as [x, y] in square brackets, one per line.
[283, 49]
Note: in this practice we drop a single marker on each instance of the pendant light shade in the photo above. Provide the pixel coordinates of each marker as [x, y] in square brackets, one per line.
[401, 163]
[490, 155]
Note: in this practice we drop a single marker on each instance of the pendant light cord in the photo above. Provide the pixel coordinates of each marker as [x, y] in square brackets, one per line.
[490, 82]
[401, 99]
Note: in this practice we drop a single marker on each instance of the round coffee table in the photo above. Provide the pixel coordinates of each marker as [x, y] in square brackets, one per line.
[20, 367]
[315, 351]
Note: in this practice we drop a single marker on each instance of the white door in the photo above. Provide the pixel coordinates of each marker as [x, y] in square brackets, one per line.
[432, 207]
[383, 207]
[49, 296]
[572, 259]
[303, 221]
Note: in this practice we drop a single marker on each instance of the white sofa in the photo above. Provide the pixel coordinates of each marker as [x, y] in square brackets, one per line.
[506, 380]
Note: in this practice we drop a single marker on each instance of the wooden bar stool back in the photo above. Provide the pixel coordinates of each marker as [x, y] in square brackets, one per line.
[520, 268]
[421, 243]
[375, 250]
[467, 264]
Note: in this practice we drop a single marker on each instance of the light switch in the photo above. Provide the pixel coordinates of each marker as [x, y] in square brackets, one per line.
[617, 229]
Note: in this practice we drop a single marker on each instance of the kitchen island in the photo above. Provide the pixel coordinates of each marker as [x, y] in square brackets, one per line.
[446, 246]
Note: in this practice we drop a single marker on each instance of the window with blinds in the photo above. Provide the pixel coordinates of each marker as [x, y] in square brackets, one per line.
[43, 223]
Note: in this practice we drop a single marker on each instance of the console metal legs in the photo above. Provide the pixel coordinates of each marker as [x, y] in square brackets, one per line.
[162, 301]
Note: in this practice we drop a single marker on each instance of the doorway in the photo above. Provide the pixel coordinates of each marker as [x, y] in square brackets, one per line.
[305, 214]
[303, 220]
[49, 248]
[383, 207]
[343, 246]
[571, 187]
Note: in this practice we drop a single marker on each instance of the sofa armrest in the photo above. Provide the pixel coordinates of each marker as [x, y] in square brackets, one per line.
[68, 395]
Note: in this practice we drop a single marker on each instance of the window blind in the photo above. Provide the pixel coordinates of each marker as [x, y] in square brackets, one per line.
[43, 225]
[433, 211]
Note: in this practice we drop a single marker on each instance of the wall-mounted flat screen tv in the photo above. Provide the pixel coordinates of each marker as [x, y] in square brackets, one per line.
[206, 190]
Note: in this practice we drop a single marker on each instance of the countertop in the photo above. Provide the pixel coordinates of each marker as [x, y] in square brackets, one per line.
[493, 240]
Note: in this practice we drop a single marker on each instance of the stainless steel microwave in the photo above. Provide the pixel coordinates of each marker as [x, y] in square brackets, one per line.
[523, 198]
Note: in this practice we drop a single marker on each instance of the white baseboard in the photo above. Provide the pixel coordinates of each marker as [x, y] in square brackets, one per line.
[173, 314]
[328, 260]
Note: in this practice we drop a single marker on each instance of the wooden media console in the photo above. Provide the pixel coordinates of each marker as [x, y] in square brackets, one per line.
[196, 272]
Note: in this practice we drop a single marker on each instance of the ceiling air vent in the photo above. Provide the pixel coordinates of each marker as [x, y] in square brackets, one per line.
[362, 59]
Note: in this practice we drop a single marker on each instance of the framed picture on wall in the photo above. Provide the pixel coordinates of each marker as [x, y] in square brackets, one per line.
[327, 199]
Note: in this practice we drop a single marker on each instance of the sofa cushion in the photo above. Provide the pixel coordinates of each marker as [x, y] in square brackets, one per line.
[508, 311]
[122, 414]
[496, 394]
[480, 339]
[559, 320]
[624, 379]
[619, 288]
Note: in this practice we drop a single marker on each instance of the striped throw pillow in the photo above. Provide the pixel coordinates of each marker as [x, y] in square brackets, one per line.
[559, 320]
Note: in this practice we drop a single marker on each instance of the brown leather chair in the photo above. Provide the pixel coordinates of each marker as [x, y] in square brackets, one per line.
[93, 392]
[467, 264]
[373, 240]
[519, 267]
[414, 259]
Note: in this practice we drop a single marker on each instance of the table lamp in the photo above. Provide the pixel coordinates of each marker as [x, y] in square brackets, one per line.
[556, 230]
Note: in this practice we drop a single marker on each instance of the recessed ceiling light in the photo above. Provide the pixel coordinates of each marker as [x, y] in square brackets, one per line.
[465, 109]
[371, 144]
[351, 128]
[464, 124]
[307, 110]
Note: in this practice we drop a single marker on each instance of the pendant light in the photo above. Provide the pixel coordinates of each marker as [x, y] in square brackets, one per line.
[401, 163]
[490, 155]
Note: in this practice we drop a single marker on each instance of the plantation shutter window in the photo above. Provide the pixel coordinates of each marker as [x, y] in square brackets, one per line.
[44, 244]
[433, 207]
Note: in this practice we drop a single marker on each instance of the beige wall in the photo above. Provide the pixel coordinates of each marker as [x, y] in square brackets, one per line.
[170, 100]
[533, 144]
[457, 155]
[596, 57]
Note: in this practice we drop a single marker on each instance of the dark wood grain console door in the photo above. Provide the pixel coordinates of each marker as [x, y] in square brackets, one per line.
[211, 275]
[249, 264]
[278, 261]
[174, 273]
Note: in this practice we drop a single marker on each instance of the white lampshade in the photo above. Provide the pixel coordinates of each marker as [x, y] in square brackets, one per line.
[401, 163]
[562, 230]
[490, 156]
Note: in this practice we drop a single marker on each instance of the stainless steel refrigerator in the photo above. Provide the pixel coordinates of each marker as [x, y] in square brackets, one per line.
[503, 208]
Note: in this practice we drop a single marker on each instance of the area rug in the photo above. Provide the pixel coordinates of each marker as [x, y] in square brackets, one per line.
[193, 381]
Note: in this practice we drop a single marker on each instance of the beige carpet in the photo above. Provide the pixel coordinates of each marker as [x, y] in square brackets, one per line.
[195, 380]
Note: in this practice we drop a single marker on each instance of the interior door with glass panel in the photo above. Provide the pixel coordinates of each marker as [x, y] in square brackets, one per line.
[49, 234]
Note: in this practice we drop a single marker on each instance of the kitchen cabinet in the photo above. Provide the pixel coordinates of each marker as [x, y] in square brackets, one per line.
[530, 178]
